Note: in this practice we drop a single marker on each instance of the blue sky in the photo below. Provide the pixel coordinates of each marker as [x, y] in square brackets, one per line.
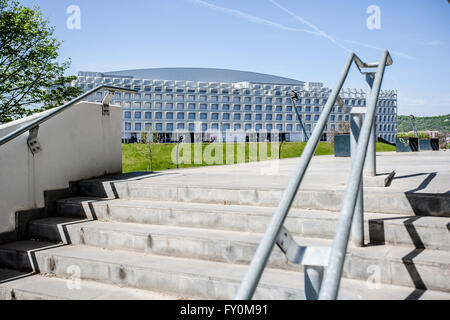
[304, 40]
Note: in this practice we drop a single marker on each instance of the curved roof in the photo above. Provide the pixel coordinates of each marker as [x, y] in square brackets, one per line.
[204, 74]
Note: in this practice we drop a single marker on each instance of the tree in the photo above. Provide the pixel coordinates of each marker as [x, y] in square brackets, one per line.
[31, 79]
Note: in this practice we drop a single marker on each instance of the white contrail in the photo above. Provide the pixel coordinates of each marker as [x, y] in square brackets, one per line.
[309, 24]
[317, 32]
[247, 16]
[397, 53]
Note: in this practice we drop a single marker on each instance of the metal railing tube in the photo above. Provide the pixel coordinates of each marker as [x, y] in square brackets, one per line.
[330, 286]
[259, 261]
[58, 110]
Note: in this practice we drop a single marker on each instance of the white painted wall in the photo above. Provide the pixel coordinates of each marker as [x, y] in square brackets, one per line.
[79, 143]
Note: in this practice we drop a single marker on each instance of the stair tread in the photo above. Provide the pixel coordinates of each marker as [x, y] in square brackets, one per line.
[391, 252]
[422, 221]
[217, 271]
[45, 287]
[27, 245]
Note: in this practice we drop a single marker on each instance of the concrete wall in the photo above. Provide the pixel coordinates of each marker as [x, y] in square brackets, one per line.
[77, 144]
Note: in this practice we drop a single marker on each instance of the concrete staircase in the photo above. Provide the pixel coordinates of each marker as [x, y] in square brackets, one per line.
[157, 238]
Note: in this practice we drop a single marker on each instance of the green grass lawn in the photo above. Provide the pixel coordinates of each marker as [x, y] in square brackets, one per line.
[136, 156]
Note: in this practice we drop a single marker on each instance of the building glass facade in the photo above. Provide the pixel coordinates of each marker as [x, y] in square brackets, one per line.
[170, 107]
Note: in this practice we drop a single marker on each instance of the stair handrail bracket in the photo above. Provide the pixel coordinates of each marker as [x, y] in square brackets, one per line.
[333, 270]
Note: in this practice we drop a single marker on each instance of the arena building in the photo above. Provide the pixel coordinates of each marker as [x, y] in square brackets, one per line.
[182, 101]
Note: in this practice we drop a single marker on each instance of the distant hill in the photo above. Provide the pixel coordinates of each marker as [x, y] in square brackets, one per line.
[438, 123]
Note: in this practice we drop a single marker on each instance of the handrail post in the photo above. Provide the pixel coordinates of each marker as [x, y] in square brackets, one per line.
[259, 261]
[358, 216]
[371, 158]
[333, 273]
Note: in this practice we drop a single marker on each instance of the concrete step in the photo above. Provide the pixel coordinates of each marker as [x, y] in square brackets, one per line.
[23, 286]
[377, 200]
[197, 278]
[20, 255]
[418, 232]
[395, 265]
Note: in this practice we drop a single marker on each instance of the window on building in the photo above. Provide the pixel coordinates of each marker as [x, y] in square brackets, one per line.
[127, 115]
[248, 126]
[258, 117]
[169, 127]
[137, 115]
[203, 116]
[237, 126]
[237, 107]
[127, 126]
[137, 126]
[191, 116]
[180, 106]
[214, 107]
[180, 126]
[215, 116]
[248, 107]
[237, 117]
[268, 117]
[214, 126]
[180, 115]
[148, 115]
[226, 116]
[258, 127]
[169, 115]
[279, 117]
[158, 115]
[289, 117]
[169, 106]
[248, 116]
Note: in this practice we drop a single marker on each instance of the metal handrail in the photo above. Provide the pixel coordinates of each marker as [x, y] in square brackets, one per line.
[58, 110]
[264, 250]
[333, 273]
[259, 261]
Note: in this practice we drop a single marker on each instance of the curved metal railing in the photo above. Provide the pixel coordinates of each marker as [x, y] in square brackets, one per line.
[275, 230]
